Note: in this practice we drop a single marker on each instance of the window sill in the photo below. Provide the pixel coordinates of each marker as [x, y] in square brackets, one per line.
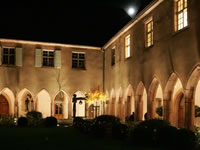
[79, 69]
[10, 66]
[126, 59]
[180, 31]
[149, 47]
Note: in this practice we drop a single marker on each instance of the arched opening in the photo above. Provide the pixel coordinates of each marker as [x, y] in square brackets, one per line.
[25, 102]
[43, 103]
[197, 105]
[172, 100]
[113, 103]
[120, 106]
[61, 105]
[80, 105]
[4, 106]
[179, 109]
[129, 102]
[8, 97]
[155, 100]
[141, 102]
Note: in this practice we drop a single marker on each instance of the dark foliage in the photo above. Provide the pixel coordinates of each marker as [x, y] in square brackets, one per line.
[185, 139]
[145, 133]
[6, 121]
[78, 122]
[166, 136]
[22, 122]
[120, 131]
[50, 122]
[159, 111]
[34, 119]
[197, 111]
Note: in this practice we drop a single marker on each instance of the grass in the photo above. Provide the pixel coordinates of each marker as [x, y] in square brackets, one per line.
[57, 138]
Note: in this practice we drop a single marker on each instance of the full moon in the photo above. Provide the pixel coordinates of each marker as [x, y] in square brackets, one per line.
[131, 11]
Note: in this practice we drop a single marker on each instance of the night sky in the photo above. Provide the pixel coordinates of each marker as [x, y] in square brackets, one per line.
[84, 22]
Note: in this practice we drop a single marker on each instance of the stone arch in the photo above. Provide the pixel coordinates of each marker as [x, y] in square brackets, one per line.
[179, 109]
[155, 98]
[60, 105]
[129, 102]
[141, 102]
[80, 105]
[120, 105]
[106, 104]
[113, 102]
[191, 98]
[43, 103]
[174, 84]
[22, 96]
[9, 96]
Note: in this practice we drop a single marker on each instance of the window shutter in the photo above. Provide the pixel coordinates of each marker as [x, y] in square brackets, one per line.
[0, 55]
[19, 57]
[38, 58]
[58, 59]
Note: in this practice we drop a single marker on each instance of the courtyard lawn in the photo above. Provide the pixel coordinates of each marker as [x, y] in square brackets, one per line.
[57, 138]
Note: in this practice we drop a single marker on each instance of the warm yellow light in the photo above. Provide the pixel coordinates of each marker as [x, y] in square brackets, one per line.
[95, 96]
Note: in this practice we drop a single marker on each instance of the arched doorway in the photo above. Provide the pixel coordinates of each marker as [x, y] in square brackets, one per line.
[141, 102]
[129, 102]
[179, 110]
[58, 105]
[4, 106]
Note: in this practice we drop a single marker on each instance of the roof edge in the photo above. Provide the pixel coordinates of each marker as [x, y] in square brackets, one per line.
[50, 44]
[131, 23]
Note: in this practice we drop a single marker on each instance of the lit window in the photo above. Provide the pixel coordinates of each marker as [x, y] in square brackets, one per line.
[181, 14]
[48, 58]
[8, 56]
[149, 33]
[127, 47]
[78, 60]
[113, 56]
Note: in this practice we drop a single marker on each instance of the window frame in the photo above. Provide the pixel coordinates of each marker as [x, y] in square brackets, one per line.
[78, 60]
[180, 23]
[127, 46]
[113, 56]
[48, 58]
[9, 55]
[149, 40]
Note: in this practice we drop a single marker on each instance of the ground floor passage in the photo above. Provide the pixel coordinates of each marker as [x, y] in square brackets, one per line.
[174, 103]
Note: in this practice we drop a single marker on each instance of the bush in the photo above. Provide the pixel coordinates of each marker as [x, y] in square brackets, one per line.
[120, 131]
[22, 122]
[197, 111]
[159, 111]
[78, 122]
[7, 121]
[102, 125]
[34, 119]
[145, 133]
[50, 122]
[166, 136]
[185, 139]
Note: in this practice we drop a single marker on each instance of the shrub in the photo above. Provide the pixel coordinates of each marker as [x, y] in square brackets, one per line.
[22, 122]
[185, 139]
[197, 111]
[78, 122]
[102, 125]
[7, 121]
[120, 131]
[159, 111]
[166, 136]
[145, 133]
[50, 122]
[34, 119]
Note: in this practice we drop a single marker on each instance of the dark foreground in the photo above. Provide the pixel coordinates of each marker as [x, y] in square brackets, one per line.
[57, 138]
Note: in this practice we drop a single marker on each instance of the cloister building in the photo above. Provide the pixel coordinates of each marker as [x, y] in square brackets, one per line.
[153, 61]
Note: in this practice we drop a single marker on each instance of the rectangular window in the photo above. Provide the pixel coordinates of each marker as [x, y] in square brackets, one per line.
[127, 47]
[149, 33]
[48, 58]
[113, 56]
[8, 56]
[181, 14]
[78, 60]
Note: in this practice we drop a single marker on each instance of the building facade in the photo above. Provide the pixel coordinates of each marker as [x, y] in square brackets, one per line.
[43, 77]
[153, 62]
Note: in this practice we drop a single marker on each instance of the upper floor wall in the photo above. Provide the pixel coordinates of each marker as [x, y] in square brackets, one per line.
[162, 39]
[50, 66]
